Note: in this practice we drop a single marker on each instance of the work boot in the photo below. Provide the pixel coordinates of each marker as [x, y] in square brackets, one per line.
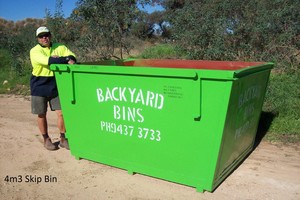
[64, 143]
[49, 145]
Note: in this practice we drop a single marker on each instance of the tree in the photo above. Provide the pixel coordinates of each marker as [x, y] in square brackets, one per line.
[261, 30]
[19, 45]
[108, 24]
[56, 22]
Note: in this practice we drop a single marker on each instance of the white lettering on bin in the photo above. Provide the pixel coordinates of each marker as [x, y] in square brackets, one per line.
[136, 96]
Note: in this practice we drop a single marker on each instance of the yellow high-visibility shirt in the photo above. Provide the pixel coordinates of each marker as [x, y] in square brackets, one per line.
[42, 82]
[39, 57]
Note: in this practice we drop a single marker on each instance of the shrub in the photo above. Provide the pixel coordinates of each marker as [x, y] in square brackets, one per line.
[161, 51]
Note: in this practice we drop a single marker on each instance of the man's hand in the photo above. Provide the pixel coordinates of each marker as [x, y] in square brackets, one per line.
[71, 62]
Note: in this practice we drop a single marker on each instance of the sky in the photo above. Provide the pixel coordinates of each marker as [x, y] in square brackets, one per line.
[16, 10]
[21, 9]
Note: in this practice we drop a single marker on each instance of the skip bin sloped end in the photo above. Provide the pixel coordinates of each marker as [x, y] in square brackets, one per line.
[261, 66]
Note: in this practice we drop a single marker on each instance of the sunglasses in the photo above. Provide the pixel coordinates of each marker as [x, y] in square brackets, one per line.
[44, 35]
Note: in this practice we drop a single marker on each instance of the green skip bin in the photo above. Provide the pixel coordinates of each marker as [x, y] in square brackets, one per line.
[185, 121]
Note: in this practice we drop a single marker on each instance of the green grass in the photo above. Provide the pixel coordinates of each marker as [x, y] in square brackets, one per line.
[161, 51]
[283, 102]
[5, 75]
[10, 81]
[14, 84]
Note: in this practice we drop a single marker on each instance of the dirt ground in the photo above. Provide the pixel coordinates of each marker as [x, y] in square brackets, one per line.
[28, 171]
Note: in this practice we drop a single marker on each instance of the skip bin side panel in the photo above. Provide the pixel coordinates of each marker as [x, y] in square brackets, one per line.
[138, 123]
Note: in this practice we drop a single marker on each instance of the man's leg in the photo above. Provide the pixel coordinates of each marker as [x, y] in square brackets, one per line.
[39, 107]
[42, 124]
[55, 105]
[61, 126]
[43, 127]
[60, 121]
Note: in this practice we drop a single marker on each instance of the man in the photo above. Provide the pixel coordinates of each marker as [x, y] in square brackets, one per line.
[43, 85]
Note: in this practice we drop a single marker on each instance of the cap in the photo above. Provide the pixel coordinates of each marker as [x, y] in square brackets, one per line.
[42, 29]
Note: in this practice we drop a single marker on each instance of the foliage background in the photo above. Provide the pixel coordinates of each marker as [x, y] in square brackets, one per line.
[254, 30]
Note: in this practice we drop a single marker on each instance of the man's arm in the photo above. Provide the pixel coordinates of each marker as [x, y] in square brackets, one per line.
[62, 60]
